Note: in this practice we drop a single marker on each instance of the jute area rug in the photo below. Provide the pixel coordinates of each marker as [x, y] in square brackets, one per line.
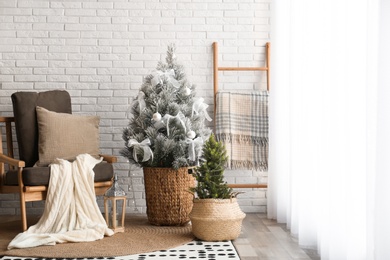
[139, 237]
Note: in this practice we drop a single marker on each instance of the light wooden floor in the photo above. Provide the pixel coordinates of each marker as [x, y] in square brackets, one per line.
[262, 238]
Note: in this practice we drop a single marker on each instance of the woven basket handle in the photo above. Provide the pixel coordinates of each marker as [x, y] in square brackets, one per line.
[235, 194]
[191, 169]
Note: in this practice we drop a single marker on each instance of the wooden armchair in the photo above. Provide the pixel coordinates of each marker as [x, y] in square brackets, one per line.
[20, 175]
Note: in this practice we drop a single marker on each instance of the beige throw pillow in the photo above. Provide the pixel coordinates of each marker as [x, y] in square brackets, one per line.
[65, 136]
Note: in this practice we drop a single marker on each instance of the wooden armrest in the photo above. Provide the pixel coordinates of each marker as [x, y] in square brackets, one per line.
[11, 161]
[7, 119]
[109, 158]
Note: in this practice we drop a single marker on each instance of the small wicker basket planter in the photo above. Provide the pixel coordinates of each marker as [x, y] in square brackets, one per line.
[168, 201]
[216, 219]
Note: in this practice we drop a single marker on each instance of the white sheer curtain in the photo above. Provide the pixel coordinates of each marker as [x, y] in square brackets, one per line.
[329, 159]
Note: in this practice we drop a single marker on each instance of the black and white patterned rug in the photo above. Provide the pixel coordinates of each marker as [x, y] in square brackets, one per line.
[194, 250]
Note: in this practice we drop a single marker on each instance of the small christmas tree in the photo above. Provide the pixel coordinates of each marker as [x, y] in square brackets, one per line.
[209, 175]
[167, 127]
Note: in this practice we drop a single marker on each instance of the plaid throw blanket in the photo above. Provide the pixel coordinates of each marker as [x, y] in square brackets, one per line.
[242, 125]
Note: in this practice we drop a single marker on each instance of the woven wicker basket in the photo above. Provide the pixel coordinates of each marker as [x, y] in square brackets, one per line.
[216, 219]
[167, 198]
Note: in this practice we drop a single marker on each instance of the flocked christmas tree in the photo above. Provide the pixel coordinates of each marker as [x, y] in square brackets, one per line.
[167, 127]
[209, 176]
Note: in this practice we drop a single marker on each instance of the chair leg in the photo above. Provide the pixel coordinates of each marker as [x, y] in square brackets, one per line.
[23, 211]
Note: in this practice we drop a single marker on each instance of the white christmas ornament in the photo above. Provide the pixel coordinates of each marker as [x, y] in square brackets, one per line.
[187, 91]
[157, 116]
[191, 134]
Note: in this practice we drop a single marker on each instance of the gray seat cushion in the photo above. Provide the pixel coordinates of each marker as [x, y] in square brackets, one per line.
[37, 176]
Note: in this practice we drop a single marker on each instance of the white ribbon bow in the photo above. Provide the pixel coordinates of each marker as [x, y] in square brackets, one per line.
[167, 118]
[169, 74]
[193, 146]
[141, 101]
[200, 107]
[143, 145]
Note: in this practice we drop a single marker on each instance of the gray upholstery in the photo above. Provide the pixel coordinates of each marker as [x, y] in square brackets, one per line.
[36, 176]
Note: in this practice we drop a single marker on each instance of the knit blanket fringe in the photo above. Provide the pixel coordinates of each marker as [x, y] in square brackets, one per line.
[232, 138]
[258, 166]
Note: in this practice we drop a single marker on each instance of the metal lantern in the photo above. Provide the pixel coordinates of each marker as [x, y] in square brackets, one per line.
[115, 207]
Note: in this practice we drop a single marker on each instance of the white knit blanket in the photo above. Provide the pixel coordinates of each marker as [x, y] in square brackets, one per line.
[71, 212]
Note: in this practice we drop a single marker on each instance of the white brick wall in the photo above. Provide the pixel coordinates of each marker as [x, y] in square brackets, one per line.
[100, 51]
